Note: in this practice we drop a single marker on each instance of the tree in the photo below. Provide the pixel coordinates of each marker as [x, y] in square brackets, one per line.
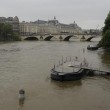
[105, 41]
[1, 31]
[107, 23]
[7, 34]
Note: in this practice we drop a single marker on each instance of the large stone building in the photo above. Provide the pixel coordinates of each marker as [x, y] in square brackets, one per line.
[41, 27]
[28, 28]
[48, 27]
[13, 21]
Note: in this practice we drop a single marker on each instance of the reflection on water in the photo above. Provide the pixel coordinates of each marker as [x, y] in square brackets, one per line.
[67, 84]
[21, 102]
[105, 58]
[107, 77]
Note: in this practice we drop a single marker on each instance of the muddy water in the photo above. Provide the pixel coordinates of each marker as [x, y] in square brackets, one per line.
[27, 65]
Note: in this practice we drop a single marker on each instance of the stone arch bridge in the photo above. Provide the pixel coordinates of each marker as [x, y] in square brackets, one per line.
[60, 37]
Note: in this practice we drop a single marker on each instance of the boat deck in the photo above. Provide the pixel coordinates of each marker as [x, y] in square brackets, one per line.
[67, 67]
[70, 67]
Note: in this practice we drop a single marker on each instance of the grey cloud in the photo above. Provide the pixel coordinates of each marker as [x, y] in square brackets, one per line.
[87, 13]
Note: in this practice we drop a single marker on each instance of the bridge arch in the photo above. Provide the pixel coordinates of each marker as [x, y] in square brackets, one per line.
[48, 38]
[89, 39]
[67, 38]
[31, 38]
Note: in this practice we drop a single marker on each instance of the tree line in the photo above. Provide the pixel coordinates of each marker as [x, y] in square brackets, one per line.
[105, 41]
[7, 33]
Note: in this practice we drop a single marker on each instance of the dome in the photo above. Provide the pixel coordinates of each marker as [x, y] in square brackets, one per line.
[16, 18]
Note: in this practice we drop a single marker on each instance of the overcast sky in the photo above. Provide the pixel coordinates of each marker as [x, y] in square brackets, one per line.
[86, 13]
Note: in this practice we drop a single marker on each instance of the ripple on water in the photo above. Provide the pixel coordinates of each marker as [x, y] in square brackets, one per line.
[27, 65]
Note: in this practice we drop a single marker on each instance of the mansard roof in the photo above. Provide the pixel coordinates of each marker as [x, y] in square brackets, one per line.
[40, 21]
[15, 18]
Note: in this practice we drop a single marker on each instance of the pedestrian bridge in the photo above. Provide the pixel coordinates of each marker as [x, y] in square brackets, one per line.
[59, 37]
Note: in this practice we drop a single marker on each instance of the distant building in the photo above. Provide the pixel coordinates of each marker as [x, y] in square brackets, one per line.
[48, 27]
[13, 21]
[28, 28]
[93, 31]
[2, 19]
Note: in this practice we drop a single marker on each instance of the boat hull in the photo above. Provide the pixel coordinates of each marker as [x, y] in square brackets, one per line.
[67, 76]
[92, 47]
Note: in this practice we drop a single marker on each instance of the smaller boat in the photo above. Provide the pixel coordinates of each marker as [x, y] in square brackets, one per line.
[92, 47]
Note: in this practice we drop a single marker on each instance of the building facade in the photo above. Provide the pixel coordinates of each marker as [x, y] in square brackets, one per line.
[42, 27]
[28, 28]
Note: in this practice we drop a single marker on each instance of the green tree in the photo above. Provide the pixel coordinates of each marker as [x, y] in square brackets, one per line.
[1, 31]
[16, 37]
[105, 41]
[107, 23]
[7, 34]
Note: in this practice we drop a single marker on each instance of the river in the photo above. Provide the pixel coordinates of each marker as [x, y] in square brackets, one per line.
[27, 64]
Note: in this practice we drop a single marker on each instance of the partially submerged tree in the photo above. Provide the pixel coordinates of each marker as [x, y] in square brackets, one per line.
[105, 41]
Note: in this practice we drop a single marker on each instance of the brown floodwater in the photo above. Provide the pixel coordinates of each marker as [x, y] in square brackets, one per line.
[26, 65]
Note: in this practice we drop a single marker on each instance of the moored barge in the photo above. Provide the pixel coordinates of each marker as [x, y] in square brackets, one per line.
[68, 71]
[74, 70]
